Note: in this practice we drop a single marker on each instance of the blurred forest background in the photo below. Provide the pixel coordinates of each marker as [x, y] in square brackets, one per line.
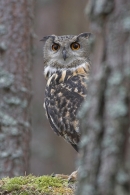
[49, 153]
[22, 25]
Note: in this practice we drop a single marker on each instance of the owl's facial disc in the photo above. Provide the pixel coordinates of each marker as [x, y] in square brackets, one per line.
[66, 55]
[61, 52]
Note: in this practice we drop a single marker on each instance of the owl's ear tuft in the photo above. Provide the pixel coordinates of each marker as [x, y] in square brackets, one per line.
[85, 35]
[44, 38]
[47, 37]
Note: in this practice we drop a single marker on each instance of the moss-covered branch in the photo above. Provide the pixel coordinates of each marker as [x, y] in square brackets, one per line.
[32, 185]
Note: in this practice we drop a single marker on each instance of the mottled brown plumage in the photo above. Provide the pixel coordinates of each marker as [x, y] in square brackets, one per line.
[64, 94]
[66, 70]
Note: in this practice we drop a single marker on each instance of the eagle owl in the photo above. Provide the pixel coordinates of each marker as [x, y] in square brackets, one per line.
[66, 68]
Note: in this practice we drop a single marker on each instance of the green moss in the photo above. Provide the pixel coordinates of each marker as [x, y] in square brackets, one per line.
[29, 185]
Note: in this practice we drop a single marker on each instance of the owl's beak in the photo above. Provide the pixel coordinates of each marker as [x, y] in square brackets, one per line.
[64, 54]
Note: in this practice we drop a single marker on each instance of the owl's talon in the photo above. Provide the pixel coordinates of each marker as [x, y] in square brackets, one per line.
[61, 176]
[53, 175]
[73, 176]
[70, 178]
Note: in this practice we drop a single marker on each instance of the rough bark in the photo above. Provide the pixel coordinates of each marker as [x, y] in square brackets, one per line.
[105, 116]
[15, 85]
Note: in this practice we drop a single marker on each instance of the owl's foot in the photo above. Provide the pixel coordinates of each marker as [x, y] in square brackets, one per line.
[62, 176]
[73, 176]
[70, 178]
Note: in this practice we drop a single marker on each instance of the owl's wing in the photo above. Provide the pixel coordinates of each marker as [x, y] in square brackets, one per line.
[63, 125]
[62, 101]
[51, 120]
[56, 128]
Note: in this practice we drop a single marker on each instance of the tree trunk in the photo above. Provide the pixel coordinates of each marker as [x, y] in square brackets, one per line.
[15, 85]
[105, 116]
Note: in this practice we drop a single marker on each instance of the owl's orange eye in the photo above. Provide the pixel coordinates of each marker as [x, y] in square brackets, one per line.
[75, 46]
[55, 47]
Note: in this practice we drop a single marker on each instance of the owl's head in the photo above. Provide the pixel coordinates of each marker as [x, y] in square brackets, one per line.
[65, 52]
